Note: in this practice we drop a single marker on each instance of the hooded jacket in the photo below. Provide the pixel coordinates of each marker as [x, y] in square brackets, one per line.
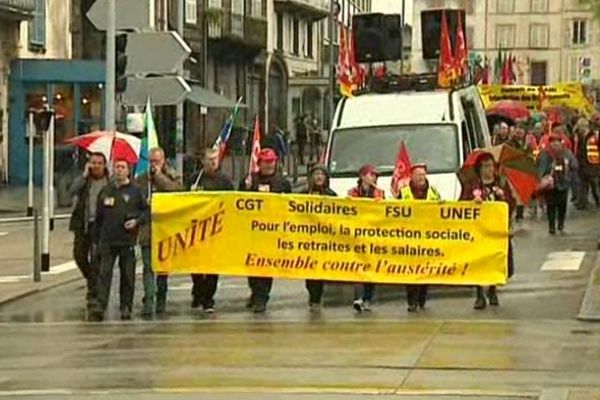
[325, 190]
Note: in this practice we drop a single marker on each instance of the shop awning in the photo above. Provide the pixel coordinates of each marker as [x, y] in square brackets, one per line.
[210, 99]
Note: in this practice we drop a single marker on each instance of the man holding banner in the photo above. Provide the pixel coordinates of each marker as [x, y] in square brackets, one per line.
[418, 189]
[161, 178]
[210, 178]
[318, 184]
[266, 180]
[488, 187]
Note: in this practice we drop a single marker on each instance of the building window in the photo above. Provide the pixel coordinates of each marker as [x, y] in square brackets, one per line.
[539, 6]
[580, 32]
[37, 27]
[237, 7]
[538, 35]
[296, 37]
[191, 12]
[506, 6]
[470, 37]
[257, 10]
[280, 32]
[505, 36]
[539, 71]
[309, 39]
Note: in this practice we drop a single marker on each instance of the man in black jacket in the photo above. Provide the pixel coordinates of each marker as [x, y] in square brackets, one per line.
[85, 191]
[266, 180]
[122, 208]
[318, 184]
[210, 178]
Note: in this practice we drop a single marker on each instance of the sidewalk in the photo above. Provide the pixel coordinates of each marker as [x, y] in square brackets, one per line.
[14, 199]
[16, 263]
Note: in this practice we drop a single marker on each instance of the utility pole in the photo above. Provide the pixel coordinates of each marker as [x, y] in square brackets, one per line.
[109, 89]
[179, 139]
[332, 21]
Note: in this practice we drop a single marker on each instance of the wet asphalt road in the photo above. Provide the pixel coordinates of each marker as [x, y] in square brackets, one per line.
[529, 344]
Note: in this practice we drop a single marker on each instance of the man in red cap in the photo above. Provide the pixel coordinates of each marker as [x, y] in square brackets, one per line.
[366, 188]
[418, 189]
[266, 180]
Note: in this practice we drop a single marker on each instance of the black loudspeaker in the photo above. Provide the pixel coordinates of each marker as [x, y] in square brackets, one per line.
[377, 37]
[431, 30]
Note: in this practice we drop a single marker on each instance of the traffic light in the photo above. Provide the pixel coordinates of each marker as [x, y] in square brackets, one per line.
[120, 63]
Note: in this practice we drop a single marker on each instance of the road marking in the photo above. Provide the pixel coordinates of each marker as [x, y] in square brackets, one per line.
[563, 261]
[54, 270]
[3, 233]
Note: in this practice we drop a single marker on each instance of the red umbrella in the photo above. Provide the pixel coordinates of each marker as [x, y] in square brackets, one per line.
[514, 166]
[510, 109]
[114, 145]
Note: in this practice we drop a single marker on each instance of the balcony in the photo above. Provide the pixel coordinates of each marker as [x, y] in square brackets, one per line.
[235, 36]
[308, 9]
[17, 10]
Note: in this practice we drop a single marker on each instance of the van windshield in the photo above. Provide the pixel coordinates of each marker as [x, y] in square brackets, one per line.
[435, 144]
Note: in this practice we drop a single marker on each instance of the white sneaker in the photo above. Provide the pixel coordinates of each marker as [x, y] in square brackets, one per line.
[358, 305]
[366, 305]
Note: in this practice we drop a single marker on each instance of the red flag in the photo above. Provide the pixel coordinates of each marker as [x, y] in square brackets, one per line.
[446, 73]
[461, 57]
[344, 64]
[253, 168]
[401, 175]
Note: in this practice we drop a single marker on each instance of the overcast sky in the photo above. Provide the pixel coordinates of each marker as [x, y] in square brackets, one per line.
[393, 6]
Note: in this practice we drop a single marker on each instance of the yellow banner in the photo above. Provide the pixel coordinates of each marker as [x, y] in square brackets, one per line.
[309, 237]
[569, 95]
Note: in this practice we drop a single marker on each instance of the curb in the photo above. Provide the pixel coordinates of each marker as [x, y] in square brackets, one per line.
[589, 310]
[34, 289]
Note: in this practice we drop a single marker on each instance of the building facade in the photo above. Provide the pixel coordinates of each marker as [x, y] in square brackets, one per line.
[297, 34]
[33, 30]
[551, 40]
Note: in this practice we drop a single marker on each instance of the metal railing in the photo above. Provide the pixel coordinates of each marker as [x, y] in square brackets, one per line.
[322, 4]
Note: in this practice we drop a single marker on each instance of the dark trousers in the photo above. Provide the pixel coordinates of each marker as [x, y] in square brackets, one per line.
[520, 212]
[162, 287]
[85, 254]
[204, 288]
[416, 294]
[364, 291]
[126, 256]
[301, 147]
[260, 289]
[588, 181]
[556, 205]
[315, 291]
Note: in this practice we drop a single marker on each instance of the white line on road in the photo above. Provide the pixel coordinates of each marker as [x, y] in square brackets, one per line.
[563, 261]
[54, 270]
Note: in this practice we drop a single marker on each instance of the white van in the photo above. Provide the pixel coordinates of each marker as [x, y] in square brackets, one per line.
[439, 128]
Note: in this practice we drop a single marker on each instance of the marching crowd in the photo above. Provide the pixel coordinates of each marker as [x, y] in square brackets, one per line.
[112, 215]
[567, 159]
